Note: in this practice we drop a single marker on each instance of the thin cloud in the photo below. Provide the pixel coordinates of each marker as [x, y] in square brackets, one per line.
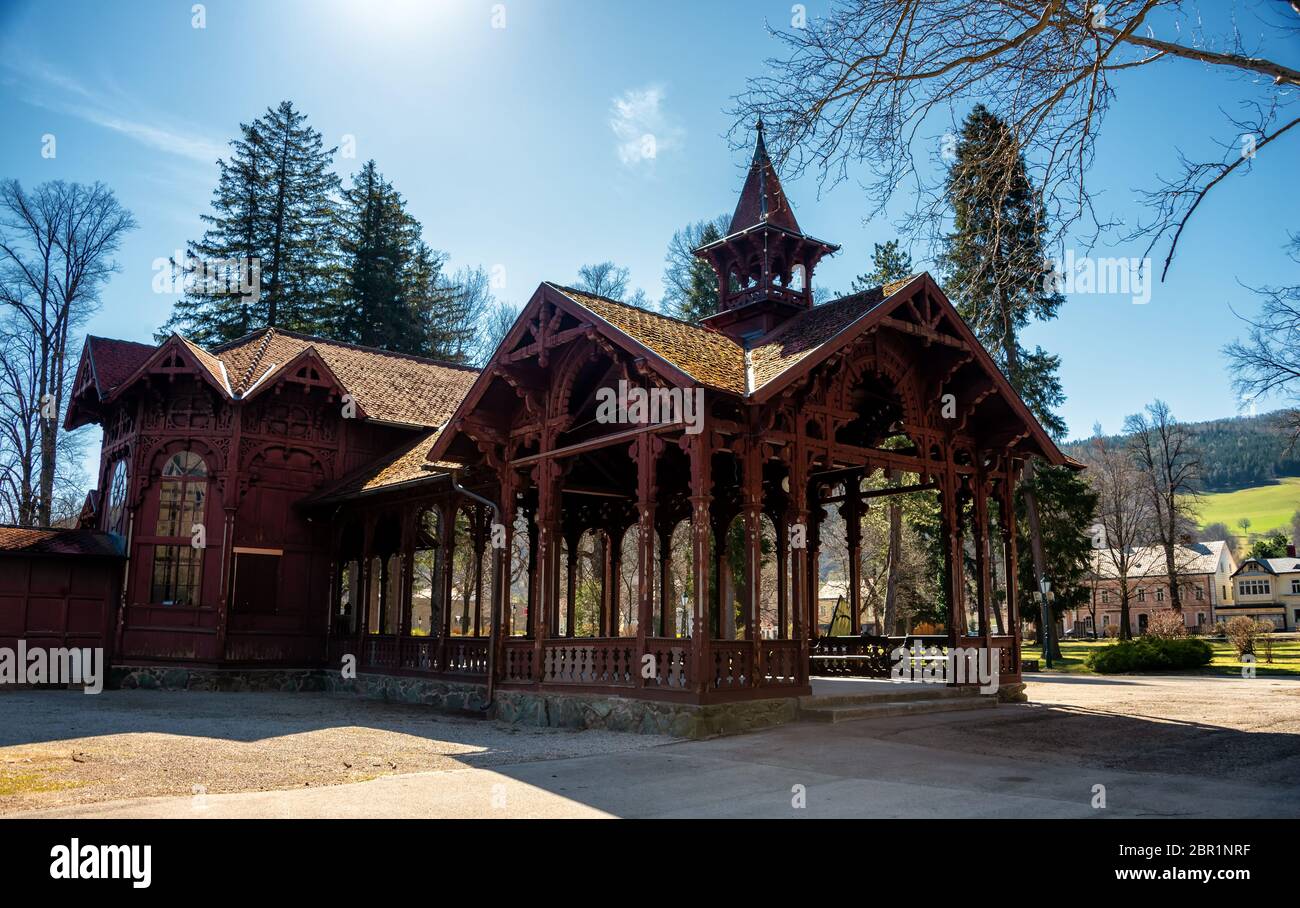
[642, 128]
[48, 88]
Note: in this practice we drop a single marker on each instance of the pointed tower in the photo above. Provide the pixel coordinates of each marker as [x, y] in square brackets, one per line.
[765, 262]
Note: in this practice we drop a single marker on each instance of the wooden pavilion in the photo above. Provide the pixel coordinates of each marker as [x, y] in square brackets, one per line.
[618, 504]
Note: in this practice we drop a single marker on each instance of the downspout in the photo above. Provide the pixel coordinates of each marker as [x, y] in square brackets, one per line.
[496, 591]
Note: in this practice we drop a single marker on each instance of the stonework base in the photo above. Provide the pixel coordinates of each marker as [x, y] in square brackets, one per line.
[647, 717]
[452, 696]
[163, 677]
[1013, 693]
[578, 711]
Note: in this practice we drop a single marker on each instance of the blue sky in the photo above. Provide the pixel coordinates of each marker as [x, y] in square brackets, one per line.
[508, 145]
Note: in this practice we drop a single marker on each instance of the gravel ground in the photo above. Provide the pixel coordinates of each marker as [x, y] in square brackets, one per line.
[60, 748]
[1211, 727]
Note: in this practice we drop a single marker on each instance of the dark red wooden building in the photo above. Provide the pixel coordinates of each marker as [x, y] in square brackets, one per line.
[286, 501]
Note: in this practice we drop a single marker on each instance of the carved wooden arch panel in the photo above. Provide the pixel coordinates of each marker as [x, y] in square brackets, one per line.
[153, 453]
[884, 357]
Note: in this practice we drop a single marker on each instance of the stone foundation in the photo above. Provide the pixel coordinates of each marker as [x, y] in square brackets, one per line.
[452, 696]
[578, 711]
[162, 677]
[647, 717]
[1013, 693]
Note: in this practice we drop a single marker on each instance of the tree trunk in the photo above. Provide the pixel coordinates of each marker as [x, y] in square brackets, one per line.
[1051, 649]
[895, 553]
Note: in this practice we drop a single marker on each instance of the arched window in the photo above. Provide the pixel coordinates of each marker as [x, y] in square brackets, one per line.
[177, 562]
[115, 521]
[426, 576]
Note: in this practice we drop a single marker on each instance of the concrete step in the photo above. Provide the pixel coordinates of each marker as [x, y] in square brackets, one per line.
[852, 711]
[888, 693]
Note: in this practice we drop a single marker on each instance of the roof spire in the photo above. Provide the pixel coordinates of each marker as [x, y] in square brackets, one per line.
[762, 200]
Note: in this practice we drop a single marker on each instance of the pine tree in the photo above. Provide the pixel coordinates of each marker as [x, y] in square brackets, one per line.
[379, 242]
[701, 298]
[690, 284]
[888, 263]
[994, 259]
[273, 210]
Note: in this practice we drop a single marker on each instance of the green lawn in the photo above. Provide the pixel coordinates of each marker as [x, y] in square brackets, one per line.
[1286, 658]
[1268, 507]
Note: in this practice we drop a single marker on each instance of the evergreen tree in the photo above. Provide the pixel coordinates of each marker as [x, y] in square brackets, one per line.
[1066, 502]
[701, 299]
[993, 261]
[273, 210]
[690, 284]
[888, 263]
[380, 242]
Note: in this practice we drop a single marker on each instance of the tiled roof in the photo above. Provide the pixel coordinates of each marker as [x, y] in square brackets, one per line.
[406, 464]
[714, 359]
[1149, 560]
[388, 387]
[707, 356]
[114, 361]
[392, 387]
[56, 541]
[807, 332]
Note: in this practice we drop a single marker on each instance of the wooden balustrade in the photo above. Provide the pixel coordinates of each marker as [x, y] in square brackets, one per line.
[781, 664]
[517, 661]
[592, 662]
[463, 656]
[733, 664]
[671, 664]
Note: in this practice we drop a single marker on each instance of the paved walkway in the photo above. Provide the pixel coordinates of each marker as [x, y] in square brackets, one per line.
[995, 763]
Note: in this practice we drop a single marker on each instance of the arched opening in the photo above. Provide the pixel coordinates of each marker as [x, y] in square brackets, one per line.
[588, 577]
[385, 577]
[522, 565]
[425, 618]
[347, 590]
[629, 584]
[471, 581]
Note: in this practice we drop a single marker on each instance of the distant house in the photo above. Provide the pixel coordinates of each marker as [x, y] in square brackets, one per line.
[1267, 589]
[1205, 571]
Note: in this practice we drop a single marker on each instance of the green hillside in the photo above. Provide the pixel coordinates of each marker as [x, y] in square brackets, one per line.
[1269, 507]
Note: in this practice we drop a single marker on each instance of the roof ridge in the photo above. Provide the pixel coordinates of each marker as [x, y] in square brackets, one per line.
[627, 305]
[118, 340]
[424, 360]
[257, 359]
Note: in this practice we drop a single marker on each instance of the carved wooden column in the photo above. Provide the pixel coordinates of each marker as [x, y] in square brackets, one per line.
[498, 620]
[950, 518]
[851, 511]
[701, 498]
[799, 567]
[572, 541]
[646, 451]
[480, 537]
[984, 594]
[547, 477]
[751, 504]
[812, 589]
[1009, 546]
[782, 578]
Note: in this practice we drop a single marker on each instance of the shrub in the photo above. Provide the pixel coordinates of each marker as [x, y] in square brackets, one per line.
[1242, 633]
[1167, 624]
[1151, 654]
